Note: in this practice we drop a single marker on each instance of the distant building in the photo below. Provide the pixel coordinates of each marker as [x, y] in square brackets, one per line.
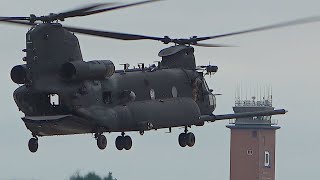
[252, 149]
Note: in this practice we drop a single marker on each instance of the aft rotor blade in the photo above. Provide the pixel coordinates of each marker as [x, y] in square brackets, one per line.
[59, 16]
[263, 28]
[112, 35]
[106, 34]
[25, 23]
[80, 11]
[212, 45]
[116, 7]
[13, 18]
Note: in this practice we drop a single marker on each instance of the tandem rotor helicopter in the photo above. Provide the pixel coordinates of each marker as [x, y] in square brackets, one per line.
[95, 98]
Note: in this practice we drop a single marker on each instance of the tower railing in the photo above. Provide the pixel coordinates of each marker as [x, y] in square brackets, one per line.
[272, 122]
[252, 103]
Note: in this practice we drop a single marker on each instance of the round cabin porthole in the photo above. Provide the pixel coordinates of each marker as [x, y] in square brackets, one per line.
[174, 92]
[152, 94]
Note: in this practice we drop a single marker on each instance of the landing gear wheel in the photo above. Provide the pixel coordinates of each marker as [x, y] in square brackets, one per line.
[120, 142]
[127, 141]
[33, 145]
[102, 142]
[182, 139]
[190, 139]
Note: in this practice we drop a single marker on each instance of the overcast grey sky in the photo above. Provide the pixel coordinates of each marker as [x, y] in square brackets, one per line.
[287, 59]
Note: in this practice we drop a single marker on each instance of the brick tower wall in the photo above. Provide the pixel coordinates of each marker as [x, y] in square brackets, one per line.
[252, 153]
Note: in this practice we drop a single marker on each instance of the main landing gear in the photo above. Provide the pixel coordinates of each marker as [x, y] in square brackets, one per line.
[123, 142]
[186, 138]
[33, 144]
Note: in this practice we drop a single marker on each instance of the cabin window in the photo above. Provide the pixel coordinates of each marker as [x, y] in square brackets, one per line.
[106, 96]
[54, 99]
[152, 94]
[174, 92]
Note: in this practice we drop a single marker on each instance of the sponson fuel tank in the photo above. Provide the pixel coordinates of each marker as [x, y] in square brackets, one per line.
[144, 115]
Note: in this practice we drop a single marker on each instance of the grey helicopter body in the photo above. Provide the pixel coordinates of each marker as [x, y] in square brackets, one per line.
[123, 100]
[92, 97]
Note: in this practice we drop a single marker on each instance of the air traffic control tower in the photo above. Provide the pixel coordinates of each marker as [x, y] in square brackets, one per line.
[252, 149]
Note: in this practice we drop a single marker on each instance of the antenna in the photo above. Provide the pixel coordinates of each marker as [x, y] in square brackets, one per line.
[260, 93]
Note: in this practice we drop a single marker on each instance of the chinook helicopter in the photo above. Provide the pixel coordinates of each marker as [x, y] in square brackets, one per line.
[93, 97]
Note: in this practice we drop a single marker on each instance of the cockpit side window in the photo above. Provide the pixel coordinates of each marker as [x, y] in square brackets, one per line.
[206, 87]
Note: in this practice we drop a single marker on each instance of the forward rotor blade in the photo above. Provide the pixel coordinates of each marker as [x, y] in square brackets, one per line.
[116, 7]
[212, 45]
[263, 28]
[112, 35]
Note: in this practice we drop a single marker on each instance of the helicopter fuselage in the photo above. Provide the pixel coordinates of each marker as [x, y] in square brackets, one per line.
[127, 101]
[93, 98]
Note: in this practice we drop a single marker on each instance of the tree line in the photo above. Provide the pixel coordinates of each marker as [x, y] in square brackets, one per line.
[91, 176]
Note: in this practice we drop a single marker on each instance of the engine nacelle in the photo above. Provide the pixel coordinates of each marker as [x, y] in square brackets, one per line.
[19, 74]
[91, 70]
